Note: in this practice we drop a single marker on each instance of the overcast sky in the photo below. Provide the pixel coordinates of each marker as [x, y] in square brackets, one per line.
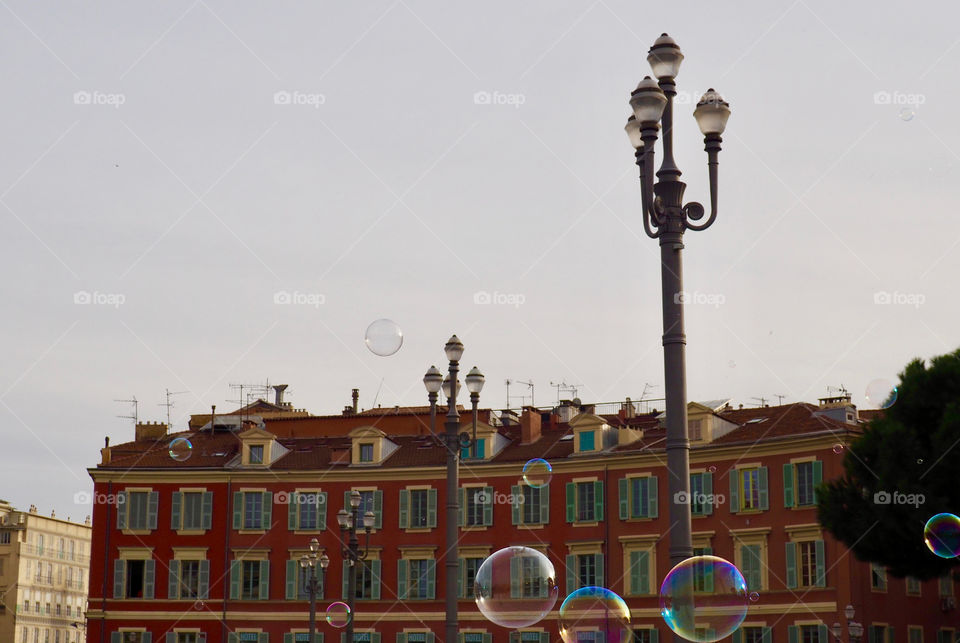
[184, 166]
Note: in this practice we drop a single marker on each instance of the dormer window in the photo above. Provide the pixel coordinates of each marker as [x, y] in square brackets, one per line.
[481, 453]
[587, 441]
[256, 454]
[369, 446]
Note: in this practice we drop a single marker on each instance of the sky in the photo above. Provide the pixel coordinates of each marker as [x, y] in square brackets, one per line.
[204, 193]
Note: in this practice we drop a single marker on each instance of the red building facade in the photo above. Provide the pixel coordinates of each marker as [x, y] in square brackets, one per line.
[206, 549]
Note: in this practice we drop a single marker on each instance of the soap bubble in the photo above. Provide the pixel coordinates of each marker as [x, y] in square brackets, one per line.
[754, 597]
[881, 393]
[180, 449]
[338, 614]
[537, 472]
[595, 610]
[199, 605]
[907, 113]
[838, 448]
[712, 469]
[704, 599]
[384, 337]
[942, 535]
[516, 587]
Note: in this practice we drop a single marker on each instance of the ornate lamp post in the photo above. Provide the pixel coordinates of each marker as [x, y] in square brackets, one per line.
[433, 380]
[475, 380]
[854, 629]
[349, 521]
[666, 217]
[453, 351]
[311, 584]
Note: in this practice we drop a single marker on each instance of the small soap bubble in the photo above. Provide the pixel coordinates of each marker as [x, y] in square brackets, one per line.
[919, 460]
[180, 449]
[384, 337]
[838, 448]
[537, 472]
[907, 113]
[942, 535]
[754, 597]
[199, 605]
[338, 614]
[712, 469]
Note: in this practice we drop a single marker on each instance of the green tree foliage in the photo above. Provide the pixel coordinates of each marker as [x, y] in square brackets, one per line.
[912, 448]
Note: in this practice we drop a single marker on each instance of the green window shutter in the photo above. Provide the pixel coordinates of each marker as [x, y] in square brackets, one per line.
[734, 490]
[460, 578]
[153, 502]
[654, 635]
[378, 509]
[122, 510]
[206, 510]
[791, 552]
[119, 567]
[345, 575]
[737, 636]
[148, 637]
[375, 637]
[708, 572]
[175, 498]
[708, 491]
[461, 500]
[291, 589]
[404, 508]
[571, 562]
[515, 491]
[571, 502]
[173, 582]
[233, 637]
[288, 638]
[487, 637]
[514, 637]
[889, 636]
[544, 637]
[264, 592]
[403, 566]
[264, 637]
[652, 493]
[873, 634]
[793, 634]
[322, 510]
[236, 571]
[346, 499]
[431, 578]
[788, 486]
[644, 560]
[821, 579]
[766, 635]
[375, 572]
[237, 509]
[598, 565]
[292, 509]
[203, 582]
[598, 500]
[431, 508]
[763, 490]
[171, 637]
[516, 571]
[817, 479]
[545, 505]
[401, 637]
[117, 637]
[488, 506]
[266, 516]
[624, 494]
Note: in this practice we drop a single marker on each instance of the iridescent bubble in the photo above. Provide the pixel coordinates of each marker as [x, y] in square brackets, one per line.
[338, 614]
[919, 460]
[881, 393]
[754, 597]
[838, 448]
[537, 472]
[942, 535]
[712, 469]
[731, 364]
[516, 587]
[704, 599]
[383, 337]
[199, 605]
[907, 113]
[596, 612]
[180, 449]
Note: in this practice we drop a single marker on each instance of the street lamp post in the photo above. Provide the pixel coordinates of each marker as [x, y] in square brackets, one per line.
[433, 380]
[312, 584]
[351, 552]
[666, 217]
[453, 351]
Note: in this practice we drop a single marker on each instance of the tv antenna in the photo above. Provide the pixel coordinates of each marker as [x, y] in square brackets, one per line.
[779, 398]
[646, 387]
[563, 386]
[169, 403]
[833, 389]
[762, 400]
[528, 384]
[136, 407]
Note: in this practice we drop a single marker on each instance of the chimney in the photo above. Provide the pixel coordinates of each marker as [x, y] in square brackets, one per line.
[150, 431]
[529, 425]
[356, 400]
[105, 451]
[278, 393]
[213, 418]
[629, 410]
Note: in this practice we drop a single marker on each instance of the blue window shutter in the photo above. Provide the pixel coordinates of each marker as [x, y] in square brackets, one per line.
[788, 486]
[431, 578]
[237, 509]
[652, 492]
[460, 579]
[404, 508]
[236, 571]
[173, 583]
[515, 491]
[488, 506]
[516, 570]
[793, 634]
[821, 579]
[571, 562]
[571, 502]
[734, 490]
[461, 499]
[292, 509]
[791, 552]
[203, 581]
[345, 575]
[175, 499]
[598, 566]
[431, 508]
[378, 509]
[291, 589]
[206, 510]
[403, 566]
[266, 517]
[598, 500]
[817, 479]
[264, 590]
[763, 494]
[623, 489]
[890, 639]
[708, 491]
[545, 505]
[375, 637]
[122, 510]
[376, 583]
[149, 578]
[119, 567]
[153, 502]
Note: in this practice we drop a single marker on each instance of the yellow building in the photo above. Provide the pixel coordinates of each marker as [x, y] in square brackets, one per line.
[44, 564]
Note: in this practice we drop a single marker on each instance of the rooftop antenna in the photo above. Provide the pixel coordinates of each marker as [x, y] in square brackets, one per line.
[375, 397]
[563, 386]
[779, 399]
[833, 389]
[528, 384]
[136, 408]
[646, 387]
[762, 400]
[169, 403]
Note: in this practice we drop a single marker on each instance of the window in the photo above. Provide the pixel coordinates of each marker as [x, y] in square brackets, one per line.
[297, 577]
[189, 579]
[880, 634]
[187, 637]
[370, 500]
[466, 453]
[307, 510]
[137, 510]
[256, 454]
[913, 586]
[695, 430]
[415, 637]
[945, 585]
[584, 501]
[132, 637]
[250, 587]
[748, 489]
[5, 540]
[638, 497]
[945, 635]
[418, 508]
[367, 575]
[530, 505]
[805, 564]
[800, 480]
[133, 578]
[468, 574]
[645, 636]
[250, 580]
[914, 634]
[587, 441]
[808, 633]
[416, 578]
[751, 566]
[191, 510]
[366, 452]
[476, 506]
[303, 637]
[252, 510]
[753, 635]
[584, 570]
[476, 637]
[878, 577]
[701, 493]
